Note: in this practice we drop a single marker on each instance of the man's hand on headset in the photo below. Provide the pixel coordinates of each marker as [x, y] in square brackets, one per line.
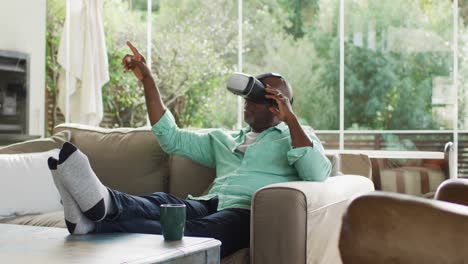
[284, 111]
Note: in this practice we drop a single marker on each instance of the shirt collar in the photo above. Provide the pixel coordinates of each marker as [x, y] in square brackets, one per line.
[281, 127]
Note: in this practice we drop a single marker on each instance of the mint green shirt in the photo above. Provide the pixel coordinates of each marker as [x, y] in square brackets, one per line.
[269, 159]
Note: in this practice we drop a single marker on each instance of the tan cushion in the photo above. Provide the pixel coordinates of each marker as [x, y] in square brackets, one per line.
[336, 164]
[411, 180]
[127, 159]
[356, 164]
[188, 177]
[52, 219]
[38, 145]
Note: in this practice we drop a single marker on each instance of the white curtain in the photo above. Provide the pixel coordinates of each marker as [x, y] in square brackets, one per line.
[88, 65]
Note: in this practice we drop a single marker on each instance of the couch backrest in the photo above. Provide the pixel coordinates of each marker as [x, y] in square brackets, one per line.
[355, 164]
[131, 160]
[188, 177]
[127, 159]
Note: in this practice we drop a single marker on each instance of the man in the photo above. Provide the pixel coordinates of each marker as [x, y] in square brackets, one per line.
[273, 148]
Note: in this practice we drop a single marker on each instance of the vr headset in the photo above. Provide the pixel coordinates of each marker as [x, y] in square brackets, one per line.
[250, 87]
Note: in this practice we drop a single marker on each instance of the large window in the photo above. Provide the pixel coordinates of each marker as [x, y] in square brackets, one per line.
[462, 85]
[123, 98]
[367, 74]
[300, 40]
[195, 50]
[398, 75]
[398, 65]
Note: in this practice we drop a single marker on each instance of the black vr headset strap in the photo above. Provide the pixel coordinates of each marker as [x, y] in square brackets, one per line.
[271, 74]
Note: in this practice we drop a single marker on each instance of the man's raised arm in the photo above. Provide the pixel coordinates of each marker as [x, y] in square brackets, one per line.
[172, 140]
[137, 64]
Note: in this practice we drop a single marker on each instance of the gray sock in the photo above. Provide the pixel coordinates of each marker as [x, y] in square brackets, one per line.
[78, 178]
[75, 220]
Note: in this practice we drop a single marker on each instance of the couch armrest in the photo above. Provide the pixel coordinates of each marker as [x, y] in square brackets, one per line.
[299, 222]
[454, 191]
[395, 228]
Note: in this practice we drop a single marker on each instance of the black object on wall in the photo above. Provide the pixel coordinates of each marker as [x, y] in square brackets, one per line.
[14, 93]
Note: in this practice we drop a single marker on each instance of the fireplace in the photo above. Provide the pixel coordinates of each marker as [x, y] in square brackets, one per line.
[14, 95]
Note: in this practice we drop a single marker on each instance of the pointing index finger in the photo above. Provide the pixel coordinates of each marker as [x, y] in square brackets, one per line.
[134, 50]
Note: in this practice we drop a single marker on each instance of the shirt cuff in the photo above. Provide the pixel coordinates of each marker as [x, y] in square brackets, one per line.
[164, 124]
[297, 153]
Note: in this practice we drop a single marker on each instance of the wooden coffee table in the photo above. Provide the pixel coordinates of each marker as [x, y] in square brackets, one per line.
[32, 244]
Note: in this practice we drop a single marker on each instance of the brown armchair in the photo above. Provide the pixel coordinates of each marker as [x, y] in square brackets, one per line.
[395, 228]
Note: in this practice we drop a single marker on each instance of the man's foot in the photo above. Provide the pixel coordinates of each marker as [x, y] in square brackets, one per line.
[76, 221]
[79, 180]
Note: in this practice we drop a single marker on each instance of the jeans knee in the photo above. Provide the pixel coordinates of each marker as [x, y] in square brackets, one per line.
[158, 194]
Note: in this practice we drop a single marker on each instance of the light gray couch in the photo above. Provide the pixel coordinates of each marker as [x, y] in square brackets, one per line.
[295, 222]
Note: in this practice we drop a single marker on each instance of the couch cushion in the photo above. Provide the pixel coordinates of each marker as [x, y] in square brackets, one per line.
[188, 177]
[52, 219]
[38, 145]
[26, 185]
[127, 159]
[413, 180]
[336, 164]
[355, 164]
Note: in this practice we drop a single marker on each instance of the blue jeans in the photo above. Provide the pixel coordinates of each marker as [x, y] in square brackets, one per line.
[140, 214]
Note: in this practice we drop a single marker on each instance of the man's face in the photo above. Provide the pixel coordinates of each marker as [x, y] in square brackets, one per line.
[257, 114]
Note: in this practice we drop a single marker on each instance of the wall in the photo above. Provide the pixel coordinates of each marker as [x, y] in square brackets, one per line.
[23, 29]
